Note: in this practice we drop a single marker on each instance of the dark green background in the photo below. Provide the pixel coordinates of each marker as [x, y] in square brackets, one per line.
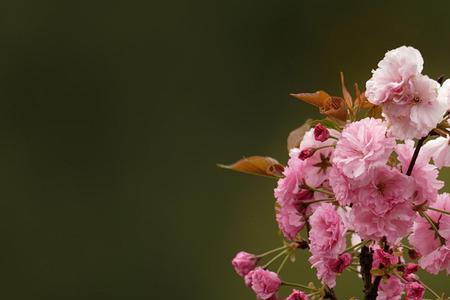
[113, 115]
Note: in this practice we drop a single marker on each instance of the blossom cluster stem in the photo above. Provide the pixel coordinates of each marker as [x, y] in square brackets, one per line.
[274, 259]
[356, 246]
[272, 251]
[299, 285]
[433, 225]
[438, 210]
[282, 263]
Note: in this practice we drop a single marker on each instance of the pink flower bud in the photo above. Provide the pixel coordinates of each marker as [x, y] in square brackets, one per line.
[414, 291]
[297, 295]
[341, 263]
[321, 133]
[244, 262]
[306, 153]
[264, 283]
[411, 268]
[382, 257]
[413, 254]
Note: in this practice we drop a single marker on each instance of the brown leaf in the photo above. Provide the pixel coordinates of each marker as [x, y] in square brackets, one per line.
[318, 99]
[296, 136]
[333, 107]
[375, 112]
[257, 165]
[346, 94]
[362, 102]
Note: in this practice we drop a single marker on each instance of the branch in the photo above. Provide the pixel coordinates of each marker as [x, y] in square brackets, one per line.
[415, 155]
[329, 293]
[365, 260]
[373, 292]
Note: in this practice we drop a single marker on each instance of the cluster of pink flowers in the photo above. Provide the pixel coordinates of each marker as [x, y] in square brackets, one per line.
[362, 195]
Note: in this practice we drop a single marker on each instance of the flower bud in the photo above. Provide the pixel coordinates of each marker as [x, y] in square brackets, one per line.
[306, 153]
[264, 283]
[341, 263]
[321, 133]
[297, 295]
[244, 262]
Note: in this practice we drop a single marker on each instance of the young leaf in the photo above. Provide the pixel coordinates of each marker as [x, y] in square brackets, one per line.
[346, 93]
[330, 106]
[318, 99]
[296, 136]
[257, 165]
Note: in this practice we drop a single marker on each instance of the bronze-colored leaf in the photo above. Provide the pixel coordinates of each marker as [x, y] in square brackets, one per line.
[296, 136]
[333, 107]
[374, 112]
[346, 93]
[257, 165]
[318, 99]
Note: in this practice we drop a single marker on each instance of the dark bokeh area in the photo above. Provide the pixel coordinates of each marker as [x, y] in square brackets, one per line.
[114, 114]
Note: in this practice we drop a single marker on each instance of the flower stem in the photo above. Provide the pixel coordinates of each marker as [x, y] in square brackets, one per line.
[272, 251]
[433, 225]
[354, 270]
[282, 263]
[438, 210]
[415, 155]
[326, 192]
[430, 290]
[319, 200]
[274, 259]
[293, 284]
[354, 247]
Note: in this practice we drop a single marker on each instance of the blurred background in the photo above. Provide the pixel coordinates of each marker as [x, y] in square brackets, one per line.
[114, 114]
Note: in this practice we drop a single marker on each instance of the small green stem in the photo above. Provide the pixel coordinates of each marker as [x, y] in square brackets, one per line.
[293, 284]
[274, 259]
[354, 247]
[438, 210]
[354, 270]
[430, 290]
[272, 251]
[433, 225]
[330, 193]
[319, 200]
[282, 263]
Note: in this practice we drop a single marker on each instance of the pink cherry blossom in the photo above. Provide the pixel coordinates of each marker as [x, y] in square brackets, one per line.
[244, 262]
[318, 166]
[327, 234]
[383, 208]
[325, 273]
[382, 257]
[289, 195]
[290, 220]
[444, 93]
[327, 241]
[344, 188]
[414, 291]
[321, 133]
[436, 261]
[424, 174]
[297, 295]
[421, 114]
[439, 150]
[362, 147]
[264, 283]
[390, 289]
[435, 257]
[392, 80]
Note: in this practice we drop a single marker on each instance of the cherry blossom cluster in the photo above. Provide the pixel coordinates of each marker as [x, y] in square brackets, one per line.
[360, 190]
